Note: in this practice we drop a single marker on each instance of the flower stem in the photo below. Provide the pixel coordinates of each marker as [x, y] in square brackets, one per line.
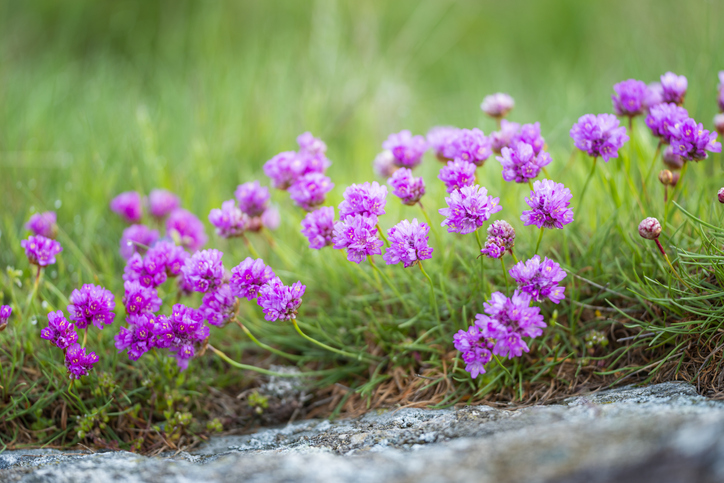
[588, 180]
[514, 257]
[266, 347]
[503, 367]
[382, 235]
[388, 281]
[505, 276]
[540, 237]
[251, 248]
[433, 300]
[651, 168]
[666, 257]
[358, 357]
[482, 263]
[85, 337]
[530, 183]
[31, 297]
[264, 371]
[432, 227]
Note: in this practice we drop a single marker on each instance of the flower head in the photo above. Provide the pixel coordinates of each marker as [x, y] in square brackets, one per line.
[384, 164]
[59, 331]
[439, 137]
[503, 137]
[539, 279]
[149, 271]
[673, 88]
[529, 134]
[92, 304]
[650, 228]
[310, 190]
[497, 105]
[630, 97]
[406, 148]
[229, 220]
[508, 320]
[5, 312]
[252, 197]
[318, 227]
[475, 349]
[599, 136]
[219, 306]
[204, 271]
[358, 234]
[78, 362]
[162, 202]
[457, 174]
[549, 202]
[135, 239]
[363, 199]
[182, 333]
[43, 224]
[309, 144]
[284, 169]
[41, 251]
[691, 141]
[139, 337]
[248, 277]
[139, 299]
[279, 301]
[406, 187]
[520, 163]
[468, 208]
[408, 243]
[128, 206]
[185, 229]
[470, 145]
[501, 238]
[663, 116]
[270, 219]
[719, 195]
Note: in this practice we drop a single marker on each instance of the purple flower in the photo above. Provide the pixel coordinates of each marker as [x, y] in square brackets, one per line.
[128, 206]
[475, 350]
[92, 304]
[59, 331]
[78, 362]
[664, 116]
[457, 174]
[520, 164]
[655, 96]
[539, 279]
[408, 243]
[549, 202]
[135, 239]
[185, 229]
[599, 135]
[139, 299]
[497, 105]
[284, 169]
[673, 88]
[630, 97]
[309, 144]
[384, 164]
[219, 306]
[503, 138]
[148, 271]
[358, 234]
[468, 208]
[363, 199]
[165, 253]
[529, 134]
[406, 148]
[493, 248]
[5, 312]
[310, 190]
[252, 197]
[248, 277]
[691, 141]
[279, 301]
[508, 320]
[501, 238]
[438, 139]
[470, 145]
[318, 227]
[162, 202]
[406, 187]
[182, 333]
[270, 219]
[671, 159]
[43, 224]
[204, 271]
[139, 337]
[229, 220]
[41, 251]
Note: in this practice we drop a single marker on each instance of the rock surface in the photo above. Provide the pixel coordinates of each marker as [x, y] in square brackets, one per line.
[662, 433]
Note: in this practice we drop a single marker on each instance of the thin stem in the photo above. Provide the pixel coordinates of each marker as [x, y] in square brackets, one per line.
[266, 347]
[540, 237]
[251, 248]
[503, 367]
[514, 257]
[31, 297]
[358, 357]
[429, 222]
[85, 337]
[530, 183]
[482, 264]
[433, 300]
[666, 257]
[651, 169]
[505, 276]
[264, 371]
[588, 180]
[388, 281]
[382, 235]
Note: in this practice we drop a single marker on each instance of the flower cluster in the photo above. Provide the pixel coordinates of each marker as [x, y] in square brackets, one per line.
[497, 105]
[128, 206]
[501, 239]
[439, 137]
[673, 88]
[161, 203]
[358, 234]
[521, 164]
[363, 199]
[662, 117]
[136, 239]
[41, 251]
[550, 205]
[630, 97]
[470, 145]
[408, 243]
[229, 220]
[508, 320]
[691, 141]
[310, 190]
[43, 224]
[530, 135]
[139, 337]
[476, 349]
[5, 313]
[253, 198]
[468, 208]
[78, 362]
[139, 299]
[248, 277]
[287, 167]
[204, 271]
[457, 174]
[183, 333]
[219, 306]
[503, 137]
[406, 148]
[59, 331]
[91, 304]
[599, 136]
[539, 279]
[318, 227]
[279, 301]
[406, 187]
[384, 164]
[186, 229]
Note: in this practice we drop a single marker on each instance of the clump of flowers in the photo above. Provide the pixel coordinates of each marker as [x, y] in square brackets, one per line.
[128, 206]
[470, 145]
[309, 144]
[438, 139]
[229, 220]
[549, 202]
[408, 243]
[43, 224]
[504, 136]
[662, 117]
[530, 135]
[219, 306]
[497, 105]
[691, 141]
[139, 337]
[384, 164]
[78, 362]
[91, 304]
[186, 230]
[358, 234]
[363, 199]
[183, 333]
[279, 301]
[136, 239]
[139, 299]
[673, 88]
[41, 251]
[457, 174]
[539, 278]
[59, 331]
[318, 227]
[630, 97]
[248, 277]
[204, 271]
[310, 190]
[599, 136]
[406, 187]
[5, 313]
[501, 239]
[161, 203]
[284, 169]
[252, 197]
[521, 164]
[406, 148]
[468, 208]
[475, 349]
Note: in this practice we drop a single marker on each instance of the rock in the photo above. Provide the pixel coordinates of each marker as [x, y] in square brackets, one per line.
[662, 433]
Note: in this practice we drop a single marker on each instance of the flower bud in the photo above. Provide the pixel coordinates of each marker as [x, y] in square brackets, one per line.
[675, 179]
[719, 124]
[666, 177]
[672, 160]
[720, 195]
[650, 228]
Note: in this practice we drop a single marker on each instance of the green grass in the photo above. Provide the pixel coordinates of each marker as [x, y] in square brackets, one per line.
[99, 98]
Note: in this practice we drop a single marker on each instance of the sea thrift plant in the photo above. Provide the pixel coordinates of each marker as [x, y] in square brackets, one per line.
[5, 313]
[128, 206]
[311, 145]
[475, 349]
[363, 199]
[438, 139]
[549, 202]
[284, 169]
[229, 220]
[691, 141]
[92, 304]
[539, 278]
[501, 239]
[248, 277]
[521, 164]
[318, 227]
[149, 271]
[279, 301]
[504, 136]
[204, 270]
[630, 97]
[186, 230]
[78, 362]
[470, 145]
[468, 208]
[358, 234]
[310, 190]
[270, 219]
[219, 306]
[161, 203]
[136, 239]
[139, 337]
[43, 224]
[599, 136]
[530, 135]
[497, 105]
[650, 228]
[59, 331]
[406, 148]
[139, 299]
[41, 251]
[655, 96]
[457, 174]
[662, 117]
[406, 187]
[408, 243]
[384, 164]
[183, 333]
[673, 88]
[252, 197]
[671, 159]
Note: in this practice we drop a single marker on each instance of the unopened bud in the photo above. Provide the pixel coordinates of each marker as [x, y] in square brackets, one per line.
[666, 177]
[650, 228]
[672, 160]
[719, 124]
[720, 195]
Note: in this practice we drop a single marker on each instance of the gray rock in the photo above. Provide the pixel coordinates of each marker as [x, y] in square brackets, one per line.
[662, 433]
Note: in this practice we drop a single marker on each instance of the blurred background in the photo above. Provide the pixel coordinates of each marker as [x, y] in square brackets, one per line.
[102, 97]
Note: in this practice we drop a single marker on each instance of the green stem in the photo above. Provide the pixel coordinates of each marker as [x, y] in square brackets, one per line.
[251, 248]
[503, 367]
[388, 281]
[530, 183]
[651, 169]
[505, 276]
[433, 300]
[266, 347]
[31, 297]
[358, 357]
[588, 180]
[382, 235]
[540, 237]
[265, 371]
[85, 337]
[482, 263]
[514, 257]
[429, 222]
[666, 257]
